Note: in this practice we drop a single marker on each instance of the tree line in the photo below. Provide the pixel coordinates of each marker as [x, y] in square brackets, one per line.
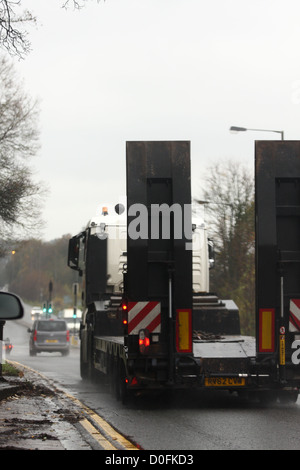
[33, 265]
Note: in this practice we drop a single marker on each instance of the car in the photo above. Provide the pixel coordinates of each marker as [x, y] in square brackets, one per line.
[49, 336]
[36, 313]
[7, 346]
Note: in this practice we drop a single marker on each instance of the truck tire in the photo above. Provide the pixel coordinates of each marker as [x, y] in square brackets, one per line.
[83, 365]
[121, 392]
[86, 367]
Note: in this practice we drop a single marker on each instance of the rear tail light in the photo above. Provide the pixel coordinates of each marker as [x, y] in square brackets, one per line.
[144, 341]
[68, 336]
[35, 335]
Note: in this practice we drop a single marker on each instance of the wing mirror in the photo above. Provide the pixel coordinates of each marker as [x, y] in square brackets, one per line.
[11, 307]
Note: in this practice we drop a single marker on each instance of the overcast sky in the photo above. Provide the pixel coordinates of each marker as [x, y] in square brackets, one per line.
[154, 70]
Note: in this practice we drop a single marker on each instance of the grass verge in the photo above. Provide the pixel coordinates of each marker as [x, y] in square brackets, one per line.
[10, 370]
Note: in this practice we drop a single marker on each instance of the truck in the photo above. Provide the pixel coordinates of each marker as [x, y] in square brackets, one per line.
[149, 320]
[36, 313]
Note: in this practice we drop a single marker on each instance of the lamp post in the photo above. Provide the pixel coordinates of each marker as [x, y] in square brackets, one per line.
[243, 129]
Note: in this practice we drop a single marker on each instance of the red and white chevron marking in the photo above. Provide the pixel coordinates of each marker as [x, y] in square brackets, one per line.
[144, 315]
[294, 320]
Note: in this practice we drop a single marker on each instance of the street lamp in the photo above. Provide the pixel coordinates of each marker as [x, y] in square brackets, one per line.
[243, 129]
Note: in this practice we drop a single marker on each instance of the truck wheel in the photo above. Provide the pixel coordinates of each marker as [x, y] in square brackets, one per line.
[84, 373]
[86, 368]
[121, 392]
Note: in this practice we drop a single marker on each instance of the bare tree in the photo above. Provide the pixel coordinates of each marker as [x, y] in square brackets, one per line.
[19, 141]
[13, 36]
[14, 22]
[229, 203]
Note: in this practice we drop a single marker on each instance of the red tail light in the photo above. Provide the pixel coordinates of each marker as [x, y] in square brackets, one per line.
[35, 335]
[68, 336]
[144, 341]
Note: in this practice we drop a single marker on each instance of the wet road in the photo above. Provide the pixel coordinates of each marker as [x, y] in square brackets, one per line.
[185, 421]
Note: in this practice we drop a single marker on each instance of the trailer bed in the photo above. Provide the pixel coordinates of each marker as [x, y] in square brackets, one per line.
[228, 346]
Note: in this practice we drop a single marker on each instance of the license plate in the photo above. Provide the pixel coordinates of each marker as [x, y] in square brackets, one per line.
[224, 382]
[51, 340]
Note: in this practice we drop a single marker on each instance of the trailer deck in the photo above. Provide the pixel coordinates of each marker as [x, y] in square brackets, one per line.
[228, 346]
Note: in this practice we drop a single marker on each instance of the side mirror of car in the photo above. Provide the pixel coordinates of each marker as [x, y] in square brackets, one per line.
[11, 307]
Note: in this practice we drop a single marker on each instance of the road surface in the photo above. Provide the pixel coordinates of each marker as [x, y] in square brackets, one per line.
[185, 421]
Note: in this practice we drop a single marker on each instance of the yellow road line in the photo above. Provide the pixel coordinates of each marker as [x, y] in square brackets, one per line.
[104, 425]
[105, 444]
[107, 428]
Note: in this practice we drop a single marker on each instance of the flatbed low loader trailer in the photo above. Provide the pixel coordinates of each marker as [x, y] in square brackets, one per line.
[148, 324]
[277, 202]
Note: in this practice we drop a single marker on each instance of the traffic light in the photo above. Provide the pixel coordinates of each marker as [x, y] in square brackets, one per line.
[47, 308]
[75, 313]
